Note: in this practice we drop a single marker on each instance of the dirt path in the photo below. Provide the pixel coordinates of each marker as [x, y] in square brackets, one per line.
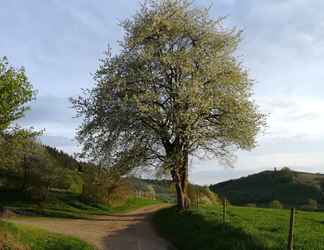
[131, 231]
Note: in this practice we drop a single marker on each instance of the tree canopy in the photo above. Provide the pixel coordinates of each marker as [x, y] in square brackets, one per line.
[15, 92]
[175, 89]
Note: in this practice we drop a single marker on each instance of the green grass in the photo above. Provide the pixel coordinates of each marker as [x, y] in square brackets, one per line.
[66, 205]
[22, 237]
[246, 229]
[134, 203]
[60, 205]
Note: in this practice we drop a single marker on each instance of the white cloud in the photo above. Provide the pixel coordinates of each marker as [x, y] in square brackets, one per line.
[290, 116]
[293, 138]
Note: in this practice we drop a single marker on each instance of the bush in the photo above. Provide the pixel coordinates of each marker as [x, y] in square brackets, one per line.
[27, 166]
[204, 195]
[311, 205]
[104, 186]
[39, 175]
[276, 204]
[71, 181]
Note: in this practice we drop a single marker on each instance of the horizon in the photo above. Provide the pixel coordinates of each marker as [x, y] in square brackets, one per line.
[59, 44]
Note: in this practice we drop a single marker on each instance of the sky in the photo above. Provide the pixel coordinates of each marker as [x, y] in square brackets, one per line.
[60, 42]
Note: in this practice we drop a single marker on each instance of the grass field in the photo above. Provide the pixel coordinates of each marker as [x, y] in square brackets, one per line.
[67, 205]
[246, 229]
[13, 237]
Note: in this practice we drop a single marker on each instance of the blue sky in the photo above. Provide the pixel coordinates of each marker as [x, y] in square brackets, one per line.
[59, 43]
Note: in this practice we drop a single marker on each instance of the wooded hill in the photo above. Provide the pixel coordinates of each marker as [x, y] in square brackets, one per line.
[289, 187]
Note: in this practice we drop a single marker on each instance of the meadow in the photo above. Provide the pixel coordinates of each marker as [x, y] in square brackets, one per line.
[245, 228]
[25, 237]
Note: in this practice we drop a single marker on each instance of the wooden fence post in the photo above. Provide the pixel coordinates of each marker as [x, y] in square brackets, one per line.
[197, 198]
[224, 210]
[291, 230]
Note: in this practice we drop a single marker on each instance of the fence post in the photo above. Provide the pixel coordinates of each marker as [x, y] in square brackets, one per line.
[291, 230]
[197, 198]
[224, 210]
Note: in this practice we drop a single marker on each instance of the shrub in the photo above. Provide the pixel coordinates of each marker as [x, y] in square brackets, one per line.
[71, 181]
[27, 166]
[311, 205]
[204, 195]
[39, 175]
[104, 186]
[276, 204]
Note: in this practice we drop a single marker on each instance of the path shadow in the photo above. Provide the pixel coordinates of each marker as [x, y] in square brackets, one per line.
[140, 234]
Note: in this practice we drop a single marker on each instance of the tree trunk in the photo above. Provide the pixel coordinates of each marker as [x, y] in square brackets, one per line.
[184, 180]
[180, 177]
[26, 174]
[180, 196]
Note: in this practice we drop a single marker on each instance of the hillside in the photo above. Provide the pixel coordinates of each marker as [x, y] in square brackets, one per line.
[289, 187]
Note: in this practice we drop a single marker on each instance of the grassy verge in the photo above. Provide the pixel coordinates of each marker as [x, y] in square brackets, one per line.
[134, 203]
[66, 205]
[22, 237]
[246, 229]
[59, 205]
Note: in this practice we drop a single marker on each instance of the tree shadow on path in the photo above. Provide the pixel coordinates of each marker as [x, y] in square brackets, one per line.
[138, 234]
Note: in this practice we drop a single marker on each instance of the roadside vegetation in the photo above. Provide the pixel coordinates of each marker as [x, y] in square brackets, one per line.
[14, 237]
[245, 228]
[67, 205]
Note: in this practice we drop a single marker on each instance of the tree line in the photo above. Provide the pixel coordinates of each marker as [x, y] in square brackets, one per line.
[29, 167]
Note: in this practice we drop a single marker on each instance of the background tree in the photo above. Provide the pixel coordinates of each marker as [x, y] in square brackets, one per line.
[15, 92]
[26, 166]
[104, 185]
[175, 89]
[15, 145]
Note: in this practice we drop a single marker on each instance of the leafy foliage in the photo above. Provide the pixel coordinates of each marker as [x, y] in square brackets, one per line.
[26, 165]
[15, 144]
[15, 92]
[105, 186]
[175, 89]
[64, 160]
[200, 195]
